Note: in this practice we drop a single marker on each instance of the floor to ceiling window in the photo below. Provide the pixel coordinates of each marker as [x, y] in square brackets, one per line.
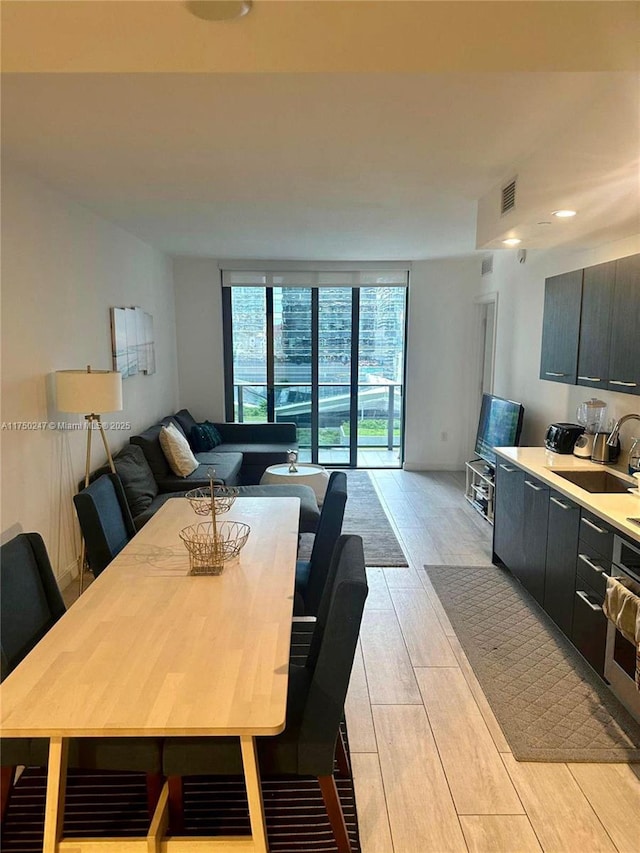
[324, 350]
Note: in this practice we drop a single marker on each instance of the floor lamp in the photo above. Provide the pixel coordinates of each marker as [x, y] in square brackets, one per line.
[96, 392]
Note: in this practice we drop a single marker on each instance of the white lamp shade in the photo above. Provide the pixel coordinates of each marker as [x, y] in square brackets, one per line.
[85, 393]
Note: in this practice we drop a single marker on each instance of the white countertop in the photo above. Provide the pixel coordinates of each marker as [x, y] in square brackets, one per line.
[542, 463]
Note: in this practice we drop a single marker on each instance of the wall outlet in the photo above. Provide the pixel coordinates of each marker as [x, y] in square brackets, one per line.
[444, 436]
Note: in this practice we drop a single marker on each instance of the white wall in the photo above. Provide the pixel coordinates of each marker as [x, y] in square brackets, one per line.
[519, 336]
[440, 403]
[62, 269]
[199, 333]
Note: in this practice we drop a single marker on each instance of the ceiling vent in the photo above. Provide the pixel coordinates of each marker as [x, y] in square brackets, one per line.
[508, 197]
[487, 265]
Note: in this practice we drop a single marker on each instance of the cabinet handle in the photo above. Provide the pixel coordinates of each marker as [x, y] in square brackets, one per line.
[592, 525]
[507, 468]
[585, 598]
[560, 504]
[552, 373]
[590, 378]
[533, 486]
[626, 384]
[591, 565]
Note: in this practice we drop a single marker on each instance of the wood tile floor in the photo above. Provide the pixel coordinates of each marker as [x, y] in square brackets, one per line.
[433, 772]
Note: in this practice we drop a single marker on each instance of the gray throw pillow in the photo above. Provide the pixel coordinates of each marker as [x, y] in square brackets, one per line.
[139, 484]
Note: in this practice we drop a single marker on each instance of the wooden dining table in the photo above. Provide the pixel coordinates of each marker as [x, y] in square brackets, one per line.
[152, 651]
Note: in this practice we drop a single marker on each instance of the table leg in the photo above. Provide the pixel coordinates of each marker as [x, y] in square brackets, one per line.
[254, 794]
[56, 789]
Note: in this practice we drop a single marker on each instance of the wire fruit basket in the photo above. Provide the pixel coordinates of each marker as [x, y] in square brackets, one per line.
[200, 499]
[211, 545]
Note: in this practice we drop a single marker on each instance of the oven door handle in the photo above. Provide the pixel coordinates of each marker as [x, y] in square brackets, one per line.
[585, 598]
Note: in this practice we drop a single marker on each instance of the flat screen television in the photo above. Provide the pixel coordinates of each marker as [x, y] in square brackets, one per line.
[500, 425]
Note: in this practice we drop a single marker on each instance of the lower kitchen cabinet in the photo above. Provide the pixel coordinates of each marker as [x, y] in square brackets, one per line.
[508, 516]
[534, 536]
[589, 631]
[562, 548]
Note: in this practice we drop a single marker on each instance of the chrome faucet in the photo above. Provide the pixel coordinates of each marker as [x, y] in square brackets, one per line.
[613, 438]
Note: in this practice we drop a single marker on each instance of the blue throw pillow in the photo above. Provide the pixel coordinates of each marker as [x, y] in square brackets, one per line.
[204, 437]
[214, 436]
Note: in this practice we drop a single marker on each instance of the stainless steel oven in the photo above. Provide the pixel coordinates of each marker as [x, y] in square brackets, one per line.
[620, 655]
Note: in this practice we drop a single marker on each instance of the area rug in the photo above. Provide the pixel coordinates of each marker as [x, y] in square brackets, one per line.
[550, 704]
[114, 805]
[365, 516]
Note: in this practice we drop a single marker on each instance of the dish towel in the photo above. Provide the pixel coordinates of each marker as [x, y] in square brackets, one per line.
[622, 607]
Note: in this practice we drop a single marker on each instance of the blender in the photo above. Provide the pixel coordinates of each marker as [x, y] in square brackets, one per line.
[592, 416]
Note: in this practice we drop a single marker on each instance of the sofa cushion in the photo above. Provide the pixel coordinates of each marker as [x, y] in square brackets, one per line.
[309, 512]
[176, 448]
[186, 421]
[254, 433]
[149, 441]
[258, 454]
[161, 499]
[226, 466]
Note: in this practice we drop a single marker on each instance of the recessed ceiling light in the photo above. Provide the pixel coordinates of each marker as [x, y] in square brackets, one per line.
[512, 241]
[218, 10]
[564, 214]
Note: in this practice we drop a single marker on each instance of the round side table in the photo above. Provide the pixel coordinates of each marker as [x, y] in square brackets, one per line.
[307, 474]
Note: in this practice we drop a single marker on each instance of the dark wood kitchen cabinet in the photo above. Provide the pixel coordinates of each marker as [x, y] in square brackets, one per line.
[508, 516]
[624, 362]
[561, 327]
[589, 629]
[595, 325]
[534, 536]
[562, 548]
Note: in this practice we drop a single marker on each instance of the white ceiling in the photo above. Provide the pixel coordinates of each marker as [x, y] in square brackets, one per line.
[308, 166]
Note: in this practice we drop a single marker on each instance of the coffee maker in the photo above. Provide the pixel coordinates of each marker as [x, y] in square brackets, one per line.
[592, 416]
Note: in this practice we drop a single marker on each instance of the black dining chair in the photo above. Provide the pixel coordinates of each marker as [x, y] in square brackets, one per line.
[315, 703]
[311, 574]
[30, 605]
[105, 520]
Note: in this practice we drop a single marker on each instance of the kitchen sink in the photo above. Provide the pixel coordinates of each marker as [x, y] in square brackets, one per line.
[596, 482]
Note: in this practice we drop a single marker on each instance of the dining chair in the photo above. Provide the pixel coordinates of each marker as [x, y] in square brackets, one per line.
[311, 574]
[105, 520]
[31, 604]
[315, 704]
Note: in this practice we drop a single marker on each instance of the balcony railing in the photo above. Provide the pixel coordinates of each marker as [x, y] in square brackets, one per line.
[381, 405]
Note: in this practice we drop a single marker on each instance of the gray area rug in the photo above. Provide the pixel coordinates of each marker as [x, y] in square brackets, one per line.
[365, 516]
[550, 704]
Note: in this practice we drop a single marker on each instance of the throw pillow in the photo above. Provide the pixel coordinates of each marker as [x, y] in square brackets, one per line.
[204, 437]
[212, 432]
[138, 481]
[199, 440]
[176, 448]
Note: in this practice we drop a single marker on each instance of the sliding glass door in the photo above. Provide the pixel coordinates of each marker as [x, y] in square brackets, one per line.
[330, 359]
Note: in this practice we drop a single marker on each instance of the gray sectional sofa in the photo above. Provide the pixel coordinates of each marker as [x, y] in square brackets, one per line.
[245, 453]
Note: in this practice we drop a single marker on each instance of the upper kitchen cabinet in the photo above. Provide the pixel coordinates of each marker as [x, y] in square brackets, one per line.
[624, 362]
[561, 327]
[595, 325]
[590, 331]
